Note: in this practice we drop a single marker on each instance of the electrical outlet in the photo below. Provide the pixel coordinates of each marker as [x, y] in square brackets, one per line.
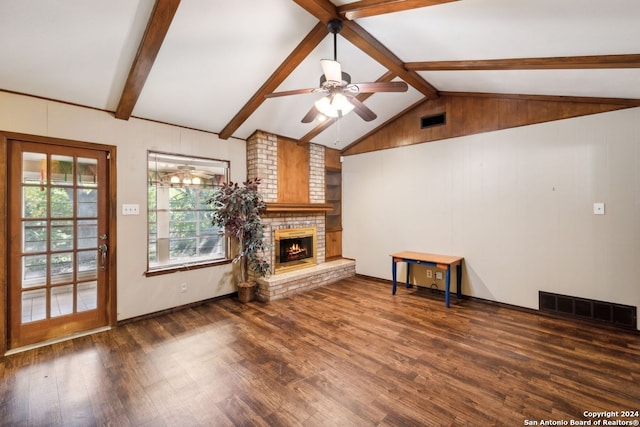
[438, 275]
[183, 287]
[429, 274]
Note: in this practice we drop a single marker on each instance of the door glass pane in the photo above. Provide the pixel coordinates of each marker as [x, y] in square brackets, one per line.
[87, 172]
[34, 271]
[87, 265]
[61, 300]
[34, 305]
[34, 236]
[34, 202]
[61, 235]
[61, 202]
[87, 203]
[61, 267]
[87, 234]
[34, 168]
[87, 296]
[61, 170]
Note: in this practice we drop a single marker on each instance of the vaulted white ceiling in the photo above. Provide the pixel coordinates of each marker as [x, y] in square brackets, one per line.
[217, 55]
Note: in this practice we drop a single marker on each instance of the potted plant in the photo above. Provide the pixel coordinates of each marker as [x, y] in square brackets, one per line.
[237, 209]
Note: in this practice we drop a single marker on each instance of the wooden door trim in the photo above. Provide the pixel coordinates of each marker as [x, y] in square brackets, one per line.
[4, 166]
[5, 138]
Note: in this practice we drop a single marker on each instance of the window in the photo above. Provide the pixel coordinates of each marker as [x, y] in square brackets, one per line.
[180, 230]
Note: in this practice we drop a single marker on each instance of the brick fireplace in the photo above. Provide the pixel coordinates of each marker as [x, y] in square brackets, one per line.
[283, 217]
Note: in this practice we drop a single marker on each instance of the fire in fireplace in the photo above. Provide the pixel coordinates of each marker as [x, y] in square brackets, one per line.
[294, 248]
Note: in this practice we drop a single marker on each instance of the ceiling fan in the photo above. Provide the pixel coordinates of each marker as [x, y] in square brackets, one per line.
[341, 94]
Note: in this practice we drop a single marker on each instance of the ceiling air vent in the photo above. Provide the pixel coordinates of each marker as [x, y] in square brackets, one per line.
[431, 121]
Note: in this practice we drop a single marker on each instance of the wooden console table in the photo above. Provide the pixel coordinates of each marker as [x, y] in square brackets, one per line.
[442, 262]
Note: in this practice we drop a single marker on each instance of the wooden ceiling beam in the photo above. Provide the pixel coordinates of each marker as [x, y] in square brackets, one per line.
[157, 27]
[325, 11]
[372, 47]
[551, 63]
[387, 77]
[629, 102]
[320, 127]
[365, 8]
[306, 46]
[391, 120]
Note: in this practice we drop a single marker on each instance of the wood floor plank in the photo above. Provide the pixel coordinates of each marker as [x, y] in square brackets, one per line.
[344, 354]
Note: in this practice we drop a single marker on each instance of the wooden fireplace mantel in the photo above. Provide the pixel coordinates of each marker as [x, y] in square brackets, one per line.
[298, 207]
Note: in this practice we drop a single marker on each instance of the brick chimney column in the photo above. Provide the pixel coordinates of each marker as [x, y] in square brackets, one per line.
[262, 162]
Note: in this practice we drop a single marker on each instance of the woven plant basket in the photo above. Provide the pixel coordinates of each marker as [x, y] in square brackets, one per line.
[246, 291]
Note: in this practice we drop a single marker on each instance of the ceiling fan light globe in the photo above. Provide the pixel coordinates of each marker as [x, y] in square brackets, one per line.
[347, 109]
[324, 106]
[340, 102]
[333, 106]
[175, 180]
[196, 181]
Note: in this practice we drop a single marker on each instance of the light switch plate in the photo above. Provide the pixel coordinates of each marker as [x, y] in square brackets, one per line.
[130, 209]
[598, 208]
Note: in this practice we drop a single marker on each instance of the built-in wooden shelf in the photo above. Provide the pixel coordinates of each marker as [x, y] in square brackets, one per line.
[298, 207]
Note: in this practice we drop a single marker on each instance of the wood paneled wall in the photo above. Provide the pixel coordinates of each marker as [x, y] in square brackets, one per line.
[471, 114]
[293, 171]
[332, 159]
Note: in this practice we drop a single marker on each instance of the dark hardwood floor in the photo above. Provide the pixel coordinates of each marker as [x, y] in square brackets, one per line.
[349, 354]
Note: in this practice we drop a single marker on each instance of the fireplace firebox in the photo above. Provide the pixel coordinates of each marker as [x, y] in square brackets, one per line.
[294, 248]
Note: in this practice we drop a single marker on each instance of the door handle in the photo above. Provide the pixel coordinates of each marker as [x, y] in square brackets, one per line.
[103, 256]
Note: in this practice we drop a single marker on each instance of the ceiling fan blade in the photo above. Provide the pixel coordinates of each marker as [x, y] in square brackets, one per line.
[332, 70]
[291, 92]
[311, 115]
[381, 87]
[362, 110]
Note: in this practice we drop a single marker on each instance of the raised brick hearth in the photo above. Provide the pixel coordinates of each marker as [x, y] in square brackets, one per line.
[290, 283]
[262, 162]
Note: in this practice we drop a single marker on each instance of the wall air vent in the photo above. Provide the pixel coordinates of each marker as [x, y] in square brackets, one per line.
[587, 309]
[435, 120]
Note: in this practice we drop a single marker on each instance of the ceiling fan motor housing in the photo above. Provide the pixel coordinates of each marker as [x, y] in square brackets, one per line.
[334, 26]
[346, 79]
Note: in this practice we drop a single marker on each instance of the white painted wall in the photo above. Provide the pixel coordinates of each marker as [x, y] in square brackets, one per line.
[137, 294]
[517, 204]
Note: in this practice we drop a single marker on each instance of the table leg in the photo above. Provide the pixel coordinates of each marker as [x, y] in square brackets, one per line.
[394, 268]
[408, 270]
[459, 279]
[447, 286]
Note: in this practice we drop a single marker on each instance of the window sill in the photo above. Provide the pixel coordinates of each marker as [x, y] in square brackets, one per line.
[186, 267]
